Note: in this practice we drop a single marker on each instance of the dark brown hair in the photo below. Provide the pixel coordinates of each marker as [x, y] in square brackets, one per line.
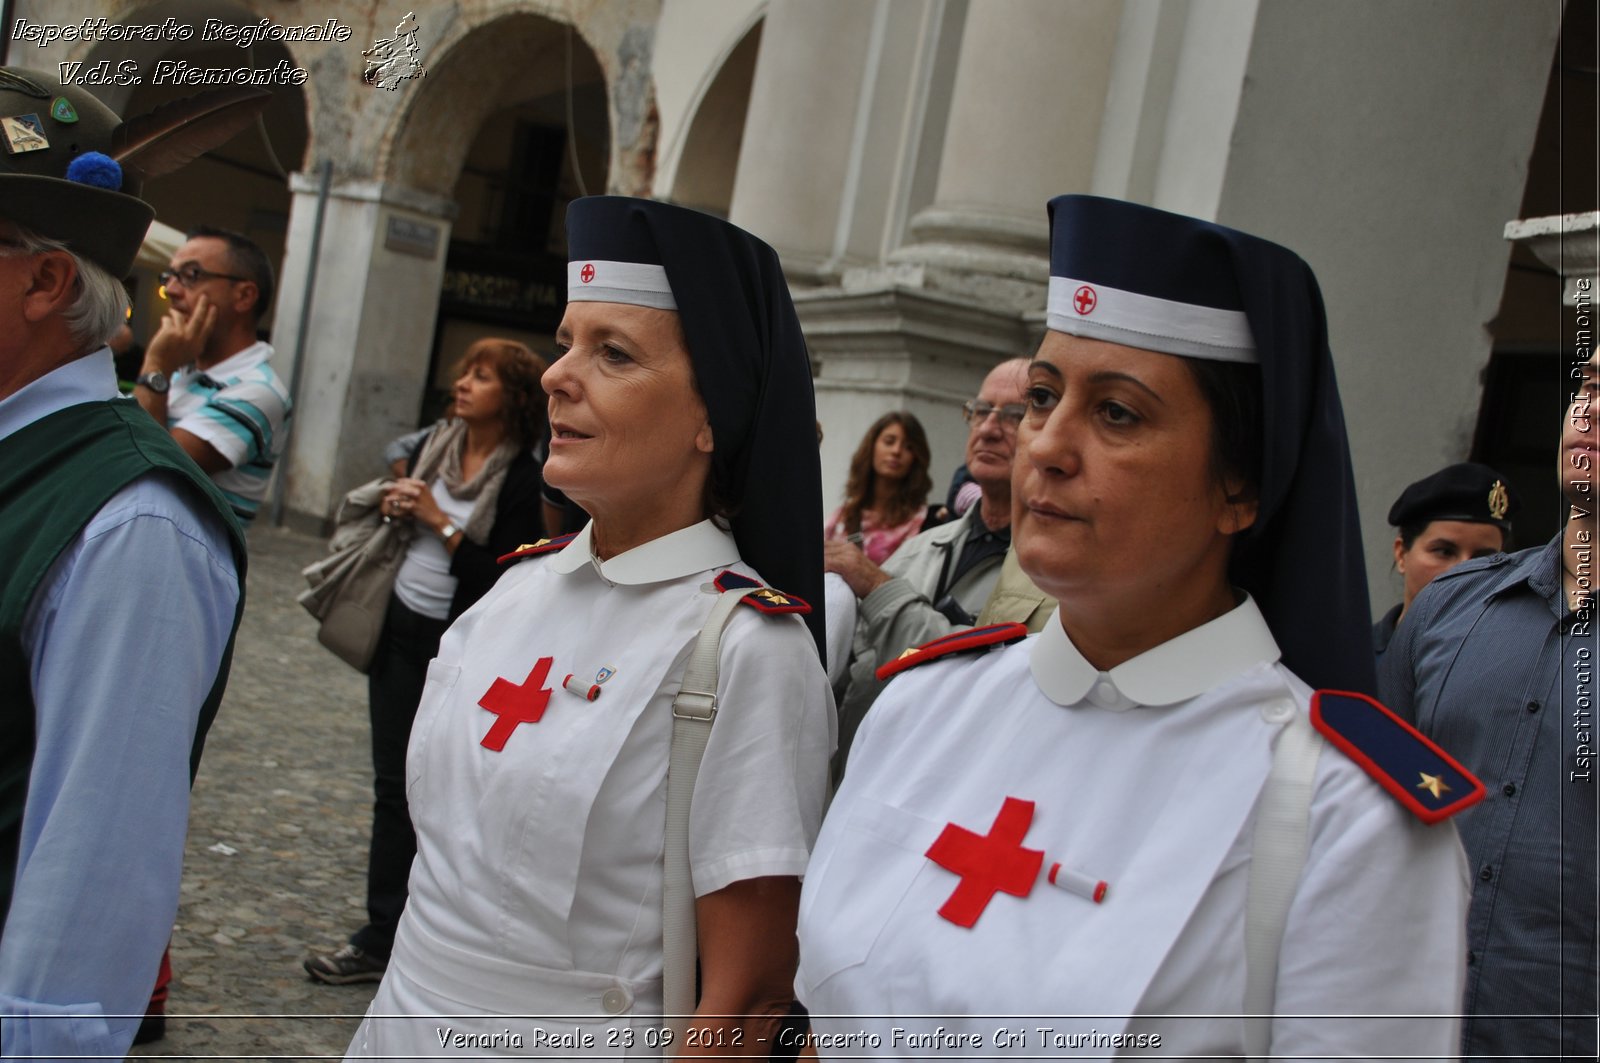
[246, 259]
[861, 486]
[1233, 392]
[522, 403]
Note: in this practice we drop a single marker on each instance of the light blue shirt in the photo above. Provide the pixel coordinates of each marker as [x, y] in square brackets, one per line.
[124, 637]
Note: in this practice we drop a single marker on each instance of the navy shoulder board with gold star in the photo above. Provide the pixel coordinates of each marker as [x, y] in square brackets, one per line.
[977, 638]
[765, 600]
[543, 546]
[1423, 777]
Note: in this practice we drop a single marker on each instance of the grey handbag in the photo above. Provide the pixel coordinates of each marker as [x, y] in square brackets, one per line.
[349, 589]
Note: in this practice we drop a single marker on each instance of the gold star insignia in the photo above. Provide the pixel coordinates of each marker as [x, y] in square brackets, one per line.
[532, 546]
[767, 594]
[1433, 784]
[906, 653]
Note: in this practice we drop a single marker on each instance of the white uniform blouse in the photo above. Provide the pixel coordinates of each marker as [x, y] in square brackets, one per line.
[536, 889]
[1145, 778]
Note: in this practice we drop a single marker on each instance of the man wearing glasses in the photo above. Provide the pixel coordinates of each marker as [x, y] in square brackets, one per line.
[206, 376]
[945, 578]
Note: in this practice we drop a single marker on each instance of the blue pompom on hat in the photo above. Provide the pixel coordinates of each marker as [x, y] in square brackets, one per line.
[97, 169]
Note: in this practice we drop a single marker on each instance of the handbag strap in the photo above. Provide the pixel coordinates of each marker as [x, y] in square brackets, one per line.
[1277, 856]
[693, 711]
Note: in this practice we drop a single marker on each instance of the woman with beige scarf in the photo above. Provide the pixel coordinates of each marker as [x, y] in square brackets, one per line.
[473, 494]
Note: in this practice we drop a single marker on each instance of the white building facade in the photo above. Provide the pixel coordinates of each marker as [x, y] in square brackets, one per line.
[898, 154]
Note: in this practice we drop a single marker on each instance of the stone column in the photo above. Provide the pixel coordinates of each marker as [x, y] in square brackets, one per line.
[1024, 125]
[800, 134]
[916, 326]
[372, 312]
[1568, 244]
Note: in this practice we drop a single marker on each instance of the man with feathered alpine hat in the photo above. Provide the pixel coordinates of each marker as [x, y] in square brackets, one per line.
[109, 531]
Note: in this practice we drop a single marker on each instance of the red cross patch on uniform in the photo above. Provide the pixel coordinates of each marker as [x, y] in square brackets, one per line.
[515, 704]
[997, 862]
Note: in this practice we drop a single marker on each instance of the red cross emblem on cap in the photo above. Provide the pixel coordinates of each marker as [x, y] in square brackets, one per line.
[1084, 300]
[586, 274]
[987, 863]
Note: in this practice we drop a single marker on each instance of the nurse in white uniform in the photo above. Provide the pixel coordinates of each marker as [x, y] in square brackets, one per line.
[537, 766]
[1068, 845]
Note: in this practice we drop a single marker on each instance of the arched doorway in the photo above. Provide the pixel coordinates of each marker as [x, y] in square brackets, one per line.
[513, 127]
[710, 157]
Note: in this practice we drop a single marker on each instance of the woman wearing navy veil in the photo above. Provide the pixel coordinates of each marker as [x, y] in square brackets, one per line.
[1134, 819]
[682, 422]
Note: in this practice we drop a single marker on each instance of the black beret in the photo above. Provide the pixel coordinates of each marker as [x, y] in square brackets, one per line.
[1465, 491]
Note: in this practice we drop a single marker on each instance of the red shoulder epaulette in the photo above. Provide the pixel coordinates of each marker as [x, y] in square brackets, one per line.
[543, 546]
[764, 600]
[977, 638]
[1403, 760]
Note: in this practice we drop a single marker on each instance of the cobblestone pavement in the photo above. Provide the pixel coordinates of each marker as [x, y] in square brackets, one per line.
[276, 859]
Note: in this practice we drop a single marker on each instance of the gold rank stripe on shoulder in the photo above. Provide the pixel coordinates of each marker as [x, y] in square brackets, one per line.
[767, 600]
[541, 546]
[963, 641]
[762, 599]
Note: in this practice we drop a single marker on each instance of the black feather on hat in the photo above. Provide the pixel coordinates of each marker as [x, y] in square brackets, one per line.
[70, 168]
[750, 363]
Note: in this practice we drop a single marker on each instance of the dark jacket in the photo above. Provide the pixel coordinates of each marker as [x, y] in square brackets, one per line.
[518, 520]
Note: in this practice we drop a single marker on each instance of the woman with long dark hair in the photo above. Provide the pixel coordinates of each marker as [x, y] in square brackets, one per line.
[886, 495]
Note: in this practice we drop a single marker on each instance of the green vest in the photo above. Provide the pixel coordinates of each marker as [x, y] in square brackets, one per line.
[55, 474]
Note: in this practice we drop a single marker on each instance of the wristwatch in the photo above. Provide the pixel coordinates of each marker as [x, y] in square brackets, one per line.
[449, 530]
[156, 382]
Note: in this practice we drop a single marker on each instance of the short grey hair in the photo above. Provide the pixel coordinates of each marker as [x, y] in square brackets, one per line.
[101, 304]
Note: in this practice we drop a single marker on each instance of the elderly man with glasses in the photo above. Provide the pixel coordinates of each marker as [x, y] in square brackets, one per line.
[950, 577]
[108, 532]
[206, 376]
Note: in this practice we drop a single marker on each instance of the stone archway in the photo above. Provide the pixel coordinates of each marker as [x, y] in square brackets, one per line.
[710, 155]
[514, 125]
[414, 169]
[516, 59]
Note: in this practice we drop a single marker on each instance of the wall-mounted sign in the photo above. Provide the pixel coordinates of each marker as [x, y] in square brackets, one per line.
[410, 237]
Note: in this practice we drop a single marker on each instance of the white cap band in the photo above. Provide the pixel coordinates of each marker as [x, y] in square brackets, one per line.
[1101, 313]
[637, 283]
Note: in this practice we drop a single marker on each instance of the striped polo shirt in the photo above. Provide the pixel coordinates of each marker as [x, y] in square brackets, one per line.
[241, 408]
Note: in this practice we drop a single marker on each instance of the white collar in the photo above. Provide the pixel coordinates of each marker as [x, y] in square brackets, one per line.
[87, 379]
[240, 361]
[692, 549]
[1177, 670]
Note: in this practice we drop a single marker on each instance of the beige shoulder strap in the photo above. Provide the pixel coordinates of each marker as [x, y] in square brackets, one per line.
[693, 711]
